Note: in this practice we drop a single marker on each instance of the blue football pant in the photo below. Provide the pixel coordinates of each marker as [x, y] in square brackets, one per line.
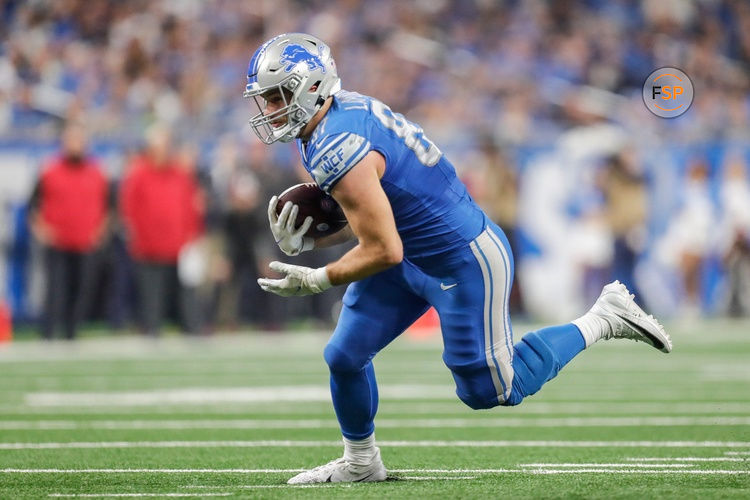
[470, 291]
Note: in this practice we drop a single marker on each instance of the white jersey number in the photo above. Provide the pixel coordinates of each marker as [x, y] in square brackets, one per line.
[427, 153]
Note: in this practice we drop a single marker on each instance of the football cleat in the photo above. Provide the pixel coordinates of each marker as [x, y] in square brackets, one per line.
[627, 320]
[341, 471]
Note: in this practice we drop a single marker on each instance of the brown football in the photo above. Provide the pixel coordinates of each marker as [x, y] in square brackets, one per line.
[327, 215]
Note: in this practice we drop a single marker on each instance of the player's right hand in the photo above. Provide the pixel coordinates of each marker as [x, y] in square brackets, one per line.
[297, 280]
[291, 241]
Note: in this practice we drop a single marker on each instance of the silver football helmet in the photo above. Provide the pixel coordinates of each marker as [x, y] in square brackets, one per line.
[301, 69]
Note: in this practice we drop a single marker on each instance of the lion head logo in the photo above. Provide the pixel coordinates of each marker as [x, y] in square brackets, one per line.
[294, 54]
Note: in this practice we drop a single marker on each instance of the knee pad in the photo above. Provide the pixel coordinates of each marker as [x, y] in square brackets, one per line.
[340, 361]
[534, 364]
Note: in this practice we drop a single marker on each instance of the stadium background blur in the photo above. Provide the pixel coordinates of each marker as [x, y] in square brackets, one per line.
[538, 105]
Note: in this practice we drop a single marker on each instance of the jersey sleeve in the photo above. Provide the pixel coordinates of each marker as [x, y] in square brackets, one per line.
[334, 155]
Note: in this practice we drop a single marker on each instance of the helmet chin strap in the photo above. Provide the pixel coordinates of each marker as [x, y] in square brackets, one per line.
[293, 132]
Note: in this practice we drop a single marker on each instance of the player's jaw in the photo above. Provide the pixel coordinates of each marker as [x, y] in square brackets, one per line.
[275, 109]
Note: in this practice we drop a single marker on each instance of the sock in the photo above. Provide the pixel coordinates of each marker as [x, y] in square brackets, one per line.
[539, 356]
[359, 451]
[565, 340]
[591, 327]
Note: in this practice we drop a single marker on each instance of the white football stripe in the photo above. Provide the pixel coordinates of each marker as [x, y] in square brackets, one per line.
[633, 471]
[217, 395]
[394, 444]
[445, 406]
[585, 465]
[149, 471]
[331, 423]
[135, 495]
[687, 459]
[436, 478]
[395, 471]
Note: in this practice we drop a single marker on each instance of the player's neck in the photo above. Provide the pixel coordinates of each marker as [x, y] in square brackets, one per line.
[317, 117]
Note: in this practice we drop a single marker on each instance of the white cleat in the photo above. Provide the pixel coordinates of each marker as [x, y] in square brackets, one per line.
[341, 471]
[627, 320]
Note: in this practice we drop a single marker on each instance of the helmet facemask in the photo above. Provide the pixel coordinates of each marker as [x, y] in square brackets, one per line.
[296, 116]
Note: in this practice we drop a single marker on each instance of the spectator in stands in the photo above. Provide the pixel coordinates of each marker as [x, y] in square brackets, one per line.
[734, 241]
[691, 238]
[243, 220]
[68, 216]
[521, 72]
[161, 209]
[626, 210]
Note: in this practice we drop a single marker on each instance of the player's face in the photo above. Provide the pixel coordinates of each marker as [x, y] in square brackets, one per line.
[274, 102]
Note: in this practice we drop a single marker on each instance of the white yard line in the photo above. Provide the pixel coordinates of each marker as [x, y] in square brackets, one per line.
[291, 486]
[218, 395]
[180, 396]
[329, 485]
[635, 471]
[589, 465]
[737, 452]
[107, 348]
[595, 468]
[443, 406]
[245, 486]
[307, 393]
[136, 495]
[687, 459]
[437, 478]
[149, 471]
[382, 423]
[393, 444]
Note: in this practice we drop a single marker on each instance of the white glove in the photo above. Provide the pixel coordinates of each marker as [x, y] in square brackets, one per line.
[299, 280]
[292, 242]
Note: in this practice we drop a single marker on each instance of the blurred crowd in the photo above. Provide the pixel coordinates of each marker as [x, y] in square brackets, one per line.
[537, 103]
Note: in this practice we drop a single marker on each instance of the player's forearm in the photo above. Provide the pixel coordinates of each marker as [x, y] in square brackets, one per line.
[336, 238]
[361, 262]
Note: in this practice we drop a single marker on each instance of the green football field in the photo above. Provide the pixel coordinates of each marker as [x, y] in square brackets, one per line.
[236, 416]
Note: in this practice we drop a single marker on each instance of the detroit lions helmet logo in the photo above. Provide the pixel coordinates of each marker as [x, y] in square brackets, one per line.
[294, 54]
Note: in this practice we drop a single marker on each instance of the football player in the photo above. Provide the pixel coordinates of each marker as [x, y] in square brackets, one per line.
[421, 241]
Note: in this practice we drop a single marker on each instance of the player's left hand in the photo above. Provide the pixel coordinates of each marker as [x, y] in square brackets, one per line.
[291, 241]
[298, 280]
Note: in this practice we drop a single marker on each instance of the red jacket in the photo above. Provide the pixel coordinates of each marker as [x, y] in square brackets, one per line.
[73, 203]
[161, 209]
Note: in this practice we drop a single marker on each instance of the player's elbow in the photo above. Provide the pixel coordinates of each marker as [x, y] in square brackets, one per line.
[392, 254]
[383, 250]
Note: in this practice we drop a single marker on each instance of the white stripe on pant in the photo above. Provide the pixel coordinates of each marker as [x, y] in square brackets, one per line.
[494, 262]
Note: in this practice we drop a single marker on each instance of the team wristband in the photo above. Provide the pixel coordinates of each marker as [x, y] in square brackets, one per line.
[321, 279]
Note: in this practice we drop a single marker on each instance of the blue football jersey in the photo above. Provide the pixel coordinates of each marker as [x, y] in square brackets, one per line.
[432, 208]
